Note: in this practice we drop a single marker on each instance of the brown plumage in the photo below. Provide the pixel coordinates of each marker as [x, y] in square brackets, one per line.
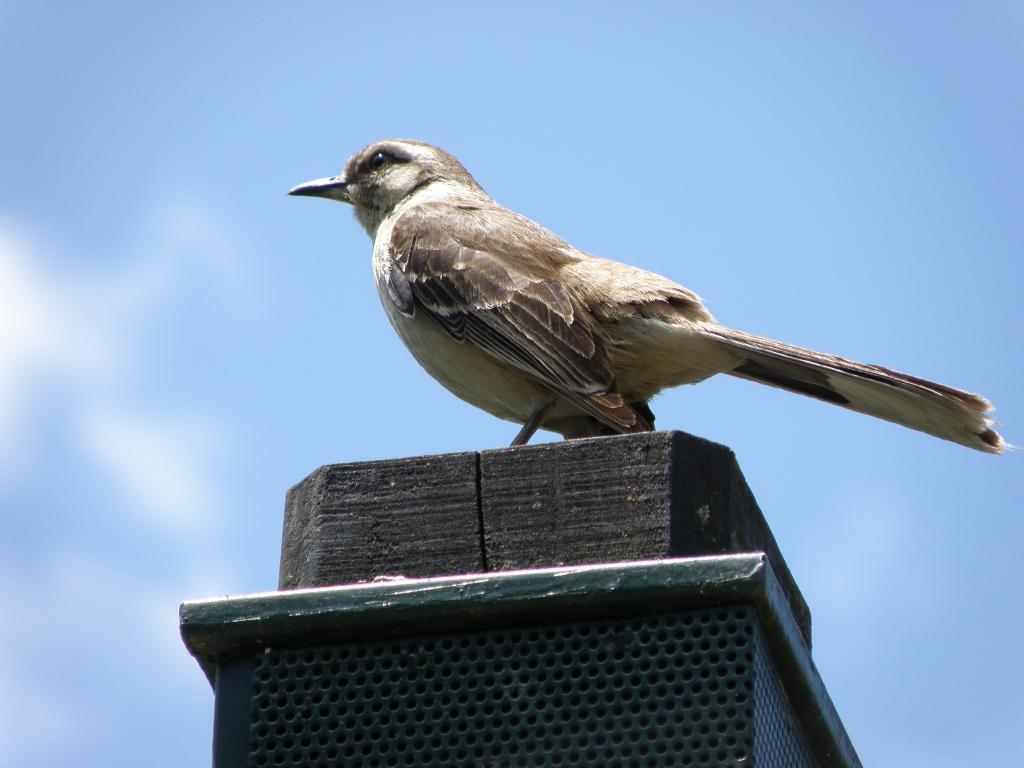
[513, 319]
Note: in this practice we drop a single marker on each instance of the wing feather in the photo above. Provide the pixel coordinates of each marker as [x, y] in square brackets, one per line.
[482, 291]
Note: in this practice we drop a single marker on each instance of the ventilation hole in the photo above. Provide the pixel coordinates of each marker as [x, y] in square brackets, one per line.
[694, 688]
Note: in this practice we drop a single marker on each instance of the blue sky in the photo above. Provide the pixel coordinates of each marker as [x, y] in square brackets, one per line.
[179, 339]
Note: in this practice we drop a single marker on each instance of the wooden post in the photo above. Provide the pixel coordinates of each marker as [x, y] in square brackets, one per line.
[602, 500]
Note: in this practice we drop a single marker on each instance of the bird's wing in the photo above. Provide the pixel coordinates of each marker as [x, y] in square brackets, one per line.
[450, 264]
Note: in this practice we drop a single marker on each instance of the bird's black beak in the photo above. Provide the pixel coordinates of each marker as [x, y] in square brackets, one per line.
[334, 188]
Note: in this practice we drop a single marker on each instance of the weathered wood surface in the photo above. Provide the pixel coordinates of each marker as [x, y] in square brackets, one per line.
[416, 516]
[632, 497]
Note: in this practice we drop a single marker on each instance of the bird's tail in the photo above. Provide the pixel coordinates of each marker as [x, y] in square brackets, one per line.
[945, 412]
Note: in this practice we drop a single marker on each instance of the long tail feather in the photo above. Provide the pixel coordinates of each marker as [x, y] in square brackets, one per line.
[942, 411]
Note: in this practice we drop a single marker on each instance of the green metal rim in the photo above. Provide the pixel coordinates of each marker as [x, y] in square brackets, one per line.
[221, 629]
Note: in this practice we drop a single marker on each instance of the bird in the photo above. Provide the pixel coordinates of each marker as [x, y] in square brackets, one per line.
[514, 320]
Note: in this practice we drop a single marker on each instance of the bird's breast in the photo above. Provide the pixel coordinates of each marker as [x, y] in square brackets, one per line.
[462, 368]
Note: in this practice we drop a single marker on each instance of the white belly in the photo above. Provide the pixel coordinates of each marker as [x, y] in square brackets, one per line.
[463, 369]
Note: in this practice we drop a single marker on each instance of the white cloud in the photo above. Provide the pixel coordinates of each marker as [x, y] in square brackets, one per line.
[38, 340]
[120, 623]
[72, 341]
[162, 465]
[75, 340]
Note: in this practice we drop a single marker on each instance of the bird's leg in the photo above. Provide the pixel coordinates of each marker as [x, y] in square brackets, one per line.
[531, 426]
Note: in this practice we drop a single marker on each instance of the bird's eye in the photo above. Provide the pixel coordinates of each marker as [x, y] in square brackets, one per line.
[379, 160]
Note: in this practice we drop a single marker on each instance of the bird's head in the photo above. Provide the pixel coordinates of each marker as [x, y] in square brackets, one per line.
[381, 175]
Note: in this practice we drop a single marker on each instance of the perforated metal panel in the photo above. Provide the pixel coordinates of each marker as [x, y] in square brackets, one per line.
[689, 689]
[777, 737]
